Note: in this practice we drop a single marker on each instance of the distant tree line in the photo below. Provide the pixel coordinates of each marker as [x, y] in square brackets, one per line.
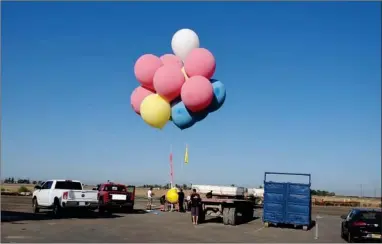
[166, 186]
[12, 180]
[322, 193]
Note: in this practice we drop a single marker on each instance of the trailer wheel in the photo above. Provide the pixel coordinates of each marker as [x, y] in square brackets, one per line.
[232, 216]
[226, 216]
[305, 227]
[247, 213]
[202, 216]
[266, 224]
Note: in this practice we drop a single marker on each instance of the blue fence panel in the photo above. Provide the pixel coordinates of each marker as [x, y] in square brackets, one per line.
[287, 203]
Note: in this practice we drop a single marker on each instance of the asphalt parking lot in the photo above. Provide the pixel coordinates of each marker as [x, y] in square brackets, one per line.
[23, 226]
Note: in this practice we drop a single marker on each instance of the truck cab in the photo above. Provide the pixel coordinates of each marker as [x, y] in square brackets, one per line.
[113, 196]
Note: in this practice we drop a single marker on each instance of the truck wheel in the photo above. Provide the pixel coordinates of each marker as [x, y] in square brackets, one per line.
[129, 209]
[35, 205]
[232, 216]
[56, 209]
[226, 216]
[101, 208]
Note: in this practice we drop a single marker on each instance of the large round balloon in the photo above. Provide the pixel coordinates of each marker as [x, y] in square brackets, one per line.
[137, 97]
[168, 81]
[145, 68]
[171, 59]
[197, 93]
[219, 95]
[181, 116]
[155, 111]
[200, 61]
[183, 42]
[172, 196]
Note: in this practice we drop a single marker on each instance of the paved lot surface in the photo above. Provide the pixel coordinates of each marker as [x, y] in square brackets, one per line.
[22, 226]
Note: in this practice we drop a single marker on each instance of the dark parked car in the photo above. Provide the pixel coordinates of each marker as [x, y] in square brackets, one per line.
[362, 224]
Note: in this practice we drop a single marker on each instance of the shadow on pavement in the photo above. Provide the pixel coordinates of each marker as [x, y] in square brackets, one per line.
[290, 226]
[135, 211]
[220, 220]
[11, 216]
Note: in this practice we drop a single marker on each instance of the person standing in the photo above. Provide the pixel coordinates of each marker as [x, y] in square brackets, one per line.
[195, 206]
[150, 195]
[181, 200]
[188, 203]
[163, 204]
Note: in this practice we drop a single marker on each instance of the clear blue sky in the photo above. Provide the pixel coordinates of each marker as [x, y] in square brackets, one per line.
[303, 92]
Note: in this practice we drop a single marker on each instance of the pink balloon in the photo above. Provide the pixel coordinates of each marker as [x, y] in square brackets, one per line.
[137, 97]
[145, 68]
[197, 93]
[168, 81]
[171, 59]
[200, 61]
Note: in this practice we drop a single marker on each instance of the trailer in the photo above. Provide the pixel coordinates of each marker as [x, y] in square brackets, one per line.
[287, 203]
[225, 202]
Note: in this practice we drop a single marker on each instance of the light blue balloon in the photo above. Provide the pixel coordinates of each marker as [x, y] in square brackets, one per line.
[219, 95]
[180, 116]
[184, 118]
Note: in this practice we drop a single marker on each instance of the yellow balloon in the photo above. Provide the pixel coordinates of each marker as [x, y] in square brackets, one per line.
[184, 73]
[172, 195]
[155, 111]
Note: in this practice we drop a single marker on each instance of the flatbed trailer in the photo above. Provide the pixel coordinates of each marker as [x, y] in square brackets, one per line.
[233, 211]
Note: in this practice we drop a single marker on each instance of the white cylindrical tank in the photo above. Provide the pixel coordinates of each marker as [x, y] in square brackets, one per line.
[256, 192]
[220, 190]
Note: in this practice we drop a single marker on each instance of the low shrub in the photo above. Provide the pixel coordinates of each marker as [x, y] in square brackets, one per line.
[23, 189]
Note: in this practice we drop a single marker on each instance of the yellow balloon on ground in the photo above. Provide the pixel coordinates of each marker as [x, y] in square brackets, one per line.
[155, 111]
[172, 195]
[184, 73]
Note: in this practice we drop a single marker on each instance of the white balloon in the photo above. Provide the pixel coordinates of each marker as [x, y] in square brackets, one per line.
[183, 42]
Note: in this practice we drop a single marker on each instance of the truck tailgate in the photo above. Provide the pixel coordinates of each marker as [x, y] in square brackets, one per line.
[78, 195]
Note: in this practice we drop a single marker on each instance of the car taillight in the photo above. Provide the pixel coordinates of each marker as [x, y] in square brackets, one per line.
[359, 223]
[65, 195]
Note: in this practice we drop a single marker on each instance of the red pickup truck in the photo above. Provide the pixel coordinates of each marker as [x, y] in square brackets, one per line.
[112, 196]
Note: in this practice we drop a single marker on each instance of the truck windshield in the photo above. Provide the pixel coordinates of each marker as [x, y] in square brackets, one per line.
[114, 188]
[68, 185]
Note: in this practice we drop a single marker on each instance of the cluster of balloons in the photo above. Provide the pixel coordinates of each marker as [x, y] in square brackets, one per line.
[172, 195]
[177, 88]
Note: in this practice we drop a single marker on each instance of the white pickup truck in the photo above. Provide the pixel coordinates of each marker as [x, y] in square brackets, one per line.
[63, 194]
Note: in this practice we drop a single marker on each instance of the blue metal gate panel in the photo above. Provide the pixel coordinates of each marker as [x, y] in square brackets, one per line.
[287, 203]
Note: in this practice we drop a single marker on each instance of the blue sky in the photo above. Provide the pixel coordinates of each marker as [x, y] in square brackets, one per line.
[303, 92]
